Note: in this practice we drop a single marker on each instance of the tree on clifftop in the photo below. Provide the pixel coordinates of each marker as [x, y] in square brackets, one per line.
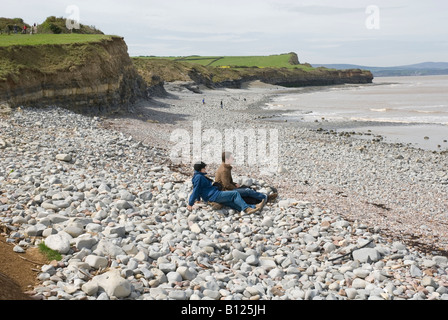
[10, 23]
[58, 25]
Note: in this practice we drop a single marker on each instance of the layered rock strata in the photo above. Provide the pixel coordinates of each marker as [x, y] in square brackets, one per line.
[84, 77]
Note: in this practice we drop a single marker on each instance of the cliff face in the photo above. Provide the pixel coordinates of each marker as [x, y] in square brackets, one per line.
[84, 77]
[168, 71]
[287, 77]
[316, 77]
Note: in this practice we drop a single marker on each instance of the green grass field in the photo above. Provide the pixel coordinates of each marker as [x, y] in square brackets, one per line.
[48, 39]
[42, 52]
[273, 61]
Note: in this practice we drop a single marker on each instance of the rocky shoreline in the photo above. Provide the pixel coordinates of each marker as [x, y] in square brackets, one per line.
[103, 192]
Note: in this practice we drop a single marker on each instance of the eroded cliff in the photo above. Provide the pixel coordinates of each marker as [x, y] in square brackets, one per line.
[162, 70]
[88, 77]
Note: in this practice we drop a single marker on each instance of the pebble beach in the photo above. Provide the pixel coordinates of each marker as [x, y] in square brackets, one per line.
[355, 219]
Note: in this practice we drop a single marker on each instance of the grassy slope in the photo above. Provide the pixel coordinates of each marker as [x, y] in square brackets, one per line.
[272, 61]
[154, 70]
[215, 69]
[276, 61]
[48, 39]
[212, 69]
[18, 52]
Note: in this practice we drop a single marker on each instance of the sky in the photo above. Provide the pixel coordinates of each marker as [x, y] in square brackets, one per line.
[369, 33]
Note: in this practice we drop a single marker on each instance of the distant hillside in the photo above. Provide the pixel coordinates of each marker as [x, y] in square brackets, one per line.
[282, 70]
[285, 60]
[420, 69]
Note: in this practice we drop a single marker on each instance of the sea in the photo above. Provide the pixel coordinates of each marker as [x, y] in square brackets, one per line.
[409, 110]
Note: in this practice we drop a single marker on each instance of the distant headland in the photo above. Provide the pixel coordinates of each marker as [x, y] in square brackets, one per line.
[419, 69]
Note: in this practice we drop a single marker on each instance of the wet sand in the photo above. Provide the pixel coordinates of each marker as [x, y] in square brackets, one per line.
[408, 110]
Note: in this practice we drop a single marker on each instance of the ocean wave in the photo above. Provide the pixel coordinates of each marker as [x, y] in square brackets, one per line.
[380, 110]
[409, 120]
[426, 111]
[408, 110]
[269, 106]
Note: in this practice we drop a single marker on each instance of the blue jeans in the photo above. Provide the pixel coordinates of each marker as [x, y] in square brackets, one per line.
[233, 200]
[248, 192]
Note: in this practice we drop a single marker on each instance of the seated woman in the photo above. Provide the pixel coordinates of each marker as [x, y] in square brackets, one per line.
[223, 176]
[203, 189]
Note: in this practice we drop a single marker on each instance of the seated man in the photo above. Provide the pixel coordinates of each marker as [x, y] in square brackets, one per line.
[203, 188]
[224, 177]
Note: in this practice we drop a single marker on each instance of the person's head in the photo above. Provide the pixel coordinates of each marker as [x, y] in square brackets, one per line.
[227, 158]
[200, 167]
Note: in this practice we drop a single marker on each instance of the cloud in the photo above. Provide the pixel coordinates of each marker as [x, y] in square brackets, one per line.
[206, 38]
[320, 10]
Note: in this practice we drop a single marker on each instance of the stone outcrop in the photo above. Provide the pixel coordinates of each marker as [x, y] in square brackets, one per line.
[317, 77]
[89, 77]
[294, 59]
[295, 77]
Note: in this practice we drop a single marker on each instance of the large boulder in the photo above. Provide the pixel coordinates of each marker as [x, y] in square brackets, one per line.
[113, 284]
[59, 242]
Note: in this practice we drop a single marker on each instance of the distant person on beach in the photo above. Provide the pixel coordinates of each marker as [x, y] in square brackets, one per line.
[223, 177]
[221, 105]
[203, 101]
[203, 189]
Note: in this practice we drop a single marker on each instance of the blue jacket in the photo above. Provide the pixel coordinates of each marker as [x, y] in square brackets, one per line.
[202, 188]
